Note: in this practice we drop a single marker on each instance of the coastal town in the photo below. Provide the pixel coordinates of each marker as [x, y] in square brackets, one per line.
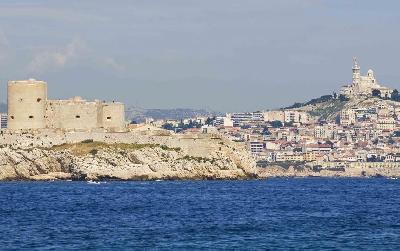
[358, 126]
[354, 132]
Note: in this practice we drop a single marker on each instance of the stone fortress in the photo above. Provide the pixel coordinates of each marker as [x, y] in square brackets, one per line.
[364, 85]
[30, 109]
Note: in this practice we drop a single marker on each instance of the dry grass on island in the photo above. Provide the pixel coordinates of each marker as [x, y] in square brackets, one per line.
[92, 147]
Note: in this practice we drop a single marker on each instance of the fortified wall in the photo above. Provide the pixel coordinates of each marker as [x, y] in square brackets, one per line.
[29, 108]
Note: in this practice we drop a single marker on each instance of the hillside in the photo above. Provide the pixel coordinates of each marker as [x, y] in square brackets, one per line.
[328, 108]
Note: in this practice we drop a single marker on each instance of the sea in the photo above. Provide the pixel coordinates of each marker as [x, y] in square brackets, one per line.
[272, 214]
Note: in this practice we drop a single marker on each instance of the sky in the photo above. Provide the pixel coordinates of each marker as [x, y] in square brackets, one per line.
[222, 55]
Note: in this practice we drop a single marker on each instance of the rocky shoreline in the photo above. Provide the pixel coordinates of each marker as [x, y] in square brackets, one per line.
[274, 171]
[130, 156]
[144, 155]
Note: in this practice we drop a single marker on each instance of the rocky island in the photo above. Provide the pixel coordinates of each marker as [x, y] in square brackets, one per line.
[144, 154]
[147, 153]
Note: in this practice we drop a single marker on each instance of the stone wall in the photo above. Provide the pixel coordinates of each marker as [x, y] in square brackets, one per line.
[75, 114]
[80, 115]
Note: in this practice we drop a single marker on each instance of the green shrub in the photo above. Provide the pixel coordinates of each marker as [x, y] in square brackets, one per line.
[93, 152]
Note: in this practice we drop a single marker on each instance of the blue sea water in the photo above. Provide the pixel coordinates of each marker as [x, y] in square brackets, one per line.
[313, 213]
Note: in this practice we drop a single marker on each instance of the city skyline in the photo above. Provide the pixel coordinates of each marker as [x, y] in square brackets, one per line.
[224, 56]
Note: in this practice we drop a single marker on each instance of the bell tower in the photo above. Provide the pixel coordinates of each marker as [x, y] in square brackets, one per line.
[356, 73]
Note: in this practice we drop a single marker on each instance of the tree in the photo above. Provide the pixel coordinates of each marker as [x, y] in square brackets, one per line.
[168, 126]
[266, 131]
[209, 121]
[395, 95]
[373, 158]
[376, 93]
[289, 124]
[343, 98]
[276, 124]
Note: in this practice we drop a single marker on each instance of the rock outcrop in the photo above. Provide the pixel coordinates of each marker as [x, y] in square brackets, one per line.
[154, 157]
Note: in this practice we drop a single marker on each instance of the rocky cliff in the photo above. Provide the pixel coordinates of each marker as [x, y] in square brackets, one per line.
[188, 157]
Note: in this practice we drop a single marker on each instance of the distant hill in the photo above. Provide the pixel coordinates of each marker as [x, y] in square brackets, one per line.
[140, 114]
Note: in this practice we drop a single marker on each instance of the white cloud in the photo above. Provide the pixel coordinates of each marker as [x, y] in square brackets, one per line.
[48, 11]
[113, 65]
[51, 60]
[75, 52]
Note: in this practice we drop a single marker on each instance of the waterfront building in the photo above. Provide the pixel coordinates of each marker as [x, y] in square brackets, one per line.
[3, 120]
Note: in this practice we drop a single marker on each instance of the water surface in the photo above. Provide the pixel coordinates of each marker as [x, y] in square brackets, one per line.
[312, 213]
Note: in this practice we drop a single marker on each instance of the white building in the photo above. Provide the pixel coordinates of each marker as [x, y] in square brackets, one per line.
[296, 116]
[256, 147]
[270, 116]
[347, 117]
[364, 85]
[3, 120]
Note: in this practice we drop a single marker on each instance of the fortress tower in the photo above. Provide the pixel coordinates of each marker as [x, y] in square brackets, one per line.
[26, 104]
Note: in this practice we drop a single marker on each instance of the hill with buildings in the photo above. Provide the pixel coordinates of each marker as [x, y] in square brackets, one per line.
[354, 132]
[329, 107]
[364, 92]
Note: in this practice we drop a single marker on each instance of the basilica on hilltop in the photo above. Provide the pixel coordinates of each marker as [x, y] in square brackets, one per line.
[364, 85]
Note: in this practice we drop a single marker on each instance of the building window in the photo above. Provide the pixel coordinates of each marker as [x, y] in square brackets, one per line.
[12, 117]
[77, 116]
[38, 100]
[20, 100]
[31, 116]
[108, 118]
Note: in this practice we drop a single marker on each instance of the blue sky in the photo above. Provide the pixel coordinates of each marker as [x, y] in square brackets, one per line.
[225, 55]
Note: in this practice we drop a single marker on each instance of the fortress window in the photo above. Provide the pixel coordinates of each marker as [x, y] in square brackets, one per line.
[108, 118]
[38, 99]
[30, 116]
[77, 116]
[12, 117]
